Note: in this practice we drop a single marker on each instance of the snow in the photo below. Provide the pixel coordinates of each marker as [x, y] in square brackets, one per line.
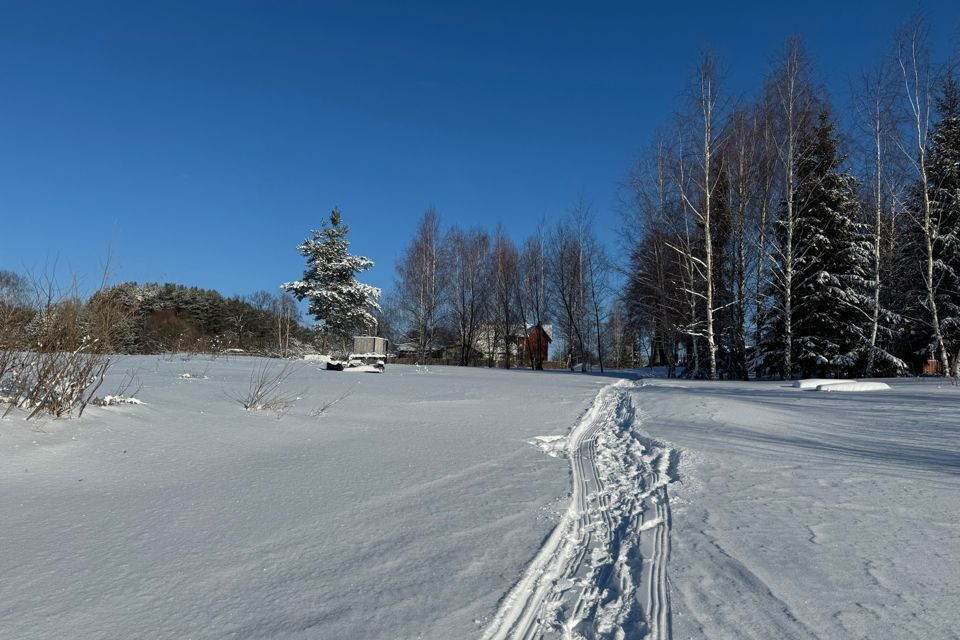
[408, 509]
[363, 368]
[432, 503]
[596, 575]
[852, 385]
[813, 383]
[811, 515]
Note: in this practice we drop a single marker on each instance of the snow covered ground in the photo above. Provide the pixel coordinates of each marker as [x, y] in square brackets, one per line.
[468, 503]
[408, 509]
[810, 515]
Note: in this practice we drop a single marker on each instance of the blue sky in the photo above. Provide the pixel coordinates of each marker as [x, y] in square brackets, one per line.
[198, 142]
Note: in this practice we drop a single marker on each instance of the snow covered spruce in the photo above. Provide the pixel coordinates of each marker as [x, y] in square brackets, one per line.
[340, 304]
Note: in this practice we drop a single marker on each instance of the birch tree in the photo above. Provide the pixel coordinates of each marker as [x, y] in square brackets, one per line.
[421, 283]
[698, 196]
[917, 75]
[467, 263]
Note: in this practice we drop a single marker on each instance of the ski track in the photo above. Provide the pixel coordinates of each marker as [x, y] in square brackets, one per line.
[602, 571]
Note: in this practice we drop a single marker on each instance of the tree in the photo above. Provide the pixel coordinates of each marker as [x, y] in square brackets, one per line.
[655, 301]
[505, 312]
[698, 195]
[566, 266]
[596, 267]
[793, 105]
[742, 151]
[421, 283]
[832, 263]
[340, 304]
[15, 310]
[934, 243]
[875, 98]
[532, 292]
[945, 200]
[468, 261]
[917, 74]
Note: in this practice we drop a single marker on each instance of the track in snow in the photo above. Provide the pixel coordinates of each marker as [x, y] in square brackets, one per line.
[602, 572]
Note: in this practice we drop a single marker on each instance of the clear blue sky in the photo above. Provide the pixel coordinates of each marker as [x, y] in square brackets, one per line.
[200, 141]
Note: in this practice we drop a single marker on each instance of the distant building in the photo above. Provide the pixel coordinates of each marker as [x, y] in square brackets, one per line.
[537, 345]
[491, 345]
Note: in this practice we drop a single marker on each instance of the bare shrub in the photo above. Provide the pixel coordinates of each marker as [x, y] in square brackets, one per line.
[195, 373]
[265, 389]
[60, 365]
[130, 381]
[125, 392]
[321, 410]
[52, 382]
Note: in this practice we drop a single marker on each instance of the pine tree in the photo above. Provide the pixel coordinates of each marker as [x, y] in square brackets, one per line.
[945, 203]
[340, 304]
[831, 263]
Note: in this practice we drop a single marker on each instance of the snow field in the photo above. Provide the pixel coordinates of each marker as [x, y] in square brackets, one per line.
[428, 503]
[811, 515]
[407, 509]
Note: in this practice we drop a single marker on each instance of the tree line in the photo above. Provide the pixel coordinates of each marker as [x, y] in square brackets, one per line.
[763, 242]
[759, 241]
[36, 315]
[475, 295]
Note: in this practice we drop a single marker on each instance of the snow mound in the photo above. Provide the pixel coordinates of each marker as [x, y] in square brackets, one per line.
[813, 383]
[553, 446]
[853, 385]
[366, 368]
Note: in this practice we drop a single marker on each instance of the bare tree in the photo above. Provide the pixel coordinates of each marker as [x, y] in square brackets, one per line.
[918, 79]
[467, 261]
[286, 316]
[15, 309]
[532, 289]
[596, 267]
[698, 196]
[875, 104]
[742, 150]
[766, 174]
[421, 282]
[793, 99]
[654, 286]
[566, 269]
[505, 264]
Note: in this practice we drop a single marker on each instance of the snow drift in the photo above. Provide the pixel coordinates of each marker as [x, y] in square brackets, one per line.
[853, 385]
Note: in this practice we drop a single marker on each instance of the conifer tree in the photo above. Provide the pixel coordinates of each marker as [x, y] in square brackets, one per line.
[340, 304]
[831, 263]
[943, 173]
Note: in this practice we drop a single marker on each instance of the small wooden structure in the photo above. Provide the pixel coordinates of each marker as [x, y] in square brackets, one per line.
[369, 346]
[537, 344]
[931, 367]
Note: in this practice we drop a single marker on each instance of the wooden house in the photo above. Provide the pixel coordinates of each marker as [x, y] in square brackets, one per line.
[536, 346]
